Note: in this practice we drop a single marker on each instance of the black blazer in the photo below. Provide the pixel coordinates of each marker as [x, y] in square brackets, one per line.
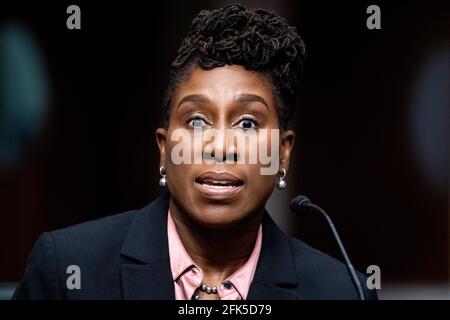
[126, 256]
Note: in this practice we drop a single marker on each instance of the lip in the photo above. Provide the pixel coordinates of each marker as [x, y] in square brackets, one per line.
[218, 185]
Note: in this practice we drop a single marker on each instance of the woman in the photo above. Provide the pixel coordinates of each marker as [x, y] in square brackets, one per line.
[209, 237]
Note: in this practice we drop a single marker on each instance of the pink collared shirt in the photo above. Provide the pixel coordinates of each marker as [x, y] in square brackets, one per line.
[187, 276]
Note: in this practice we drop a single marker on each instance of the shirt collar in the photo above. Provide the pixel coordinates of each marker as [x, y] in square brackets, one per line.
[181, 262]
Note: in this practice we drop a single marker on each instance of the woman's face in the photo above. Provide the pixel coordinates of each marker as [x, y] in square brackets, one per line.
[214, 193]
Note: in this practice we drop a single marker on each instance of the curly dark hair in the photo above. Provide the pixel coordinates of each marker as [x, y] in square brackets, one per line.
[257, 39]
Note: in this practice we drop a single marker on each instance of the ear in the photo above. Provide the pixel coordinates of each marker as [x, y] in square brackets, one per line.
[161, 135]
[286, 144]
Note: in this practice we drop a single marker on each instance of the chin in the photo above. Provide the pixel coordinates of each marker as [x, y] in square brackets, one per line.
[218, 216]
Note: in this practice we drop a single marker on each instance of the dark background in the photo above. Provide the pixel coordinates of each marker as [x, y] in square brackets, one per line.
[372, 128]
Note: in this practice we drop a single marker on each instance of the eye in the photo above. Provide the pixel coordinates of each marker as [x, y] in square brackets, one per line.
[196, 122]
[247, 123]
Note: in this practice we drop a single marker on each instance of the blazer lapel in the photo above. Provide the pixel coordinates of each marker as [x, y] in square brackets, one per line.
[145, 273]
[149, 282]
[275, 276]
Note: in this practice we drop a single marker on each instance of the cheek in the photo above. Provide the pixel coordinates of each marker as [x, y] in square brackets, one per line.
[259, 185]
[179, 175]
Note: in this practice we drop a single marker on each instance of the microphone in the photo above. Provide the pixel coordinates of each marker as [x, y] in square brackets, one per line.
[301, 205]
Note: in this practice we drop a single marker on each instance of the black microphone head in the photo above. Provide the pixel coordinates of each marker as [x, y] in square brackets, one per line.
[299, 204]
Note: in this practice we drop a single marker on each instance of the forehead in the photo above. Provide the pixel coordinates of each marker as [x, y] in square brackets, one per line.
[225, 83]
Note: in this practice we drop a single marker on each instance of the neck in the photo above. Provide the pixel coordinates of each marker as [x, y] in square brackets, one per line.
[218, 252]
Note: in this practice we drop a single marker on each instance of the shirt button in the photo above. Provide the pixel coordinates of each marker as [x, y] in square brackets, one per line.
[227, 285]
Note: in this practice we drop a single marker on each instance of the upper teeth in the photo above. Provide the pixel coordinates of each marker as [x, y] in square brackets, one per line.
[219, 183]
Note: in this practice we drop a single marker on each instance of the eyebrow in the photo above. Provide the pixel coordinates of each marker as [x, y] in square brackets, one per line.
[199, 98]
[248, 97]
[243, 97]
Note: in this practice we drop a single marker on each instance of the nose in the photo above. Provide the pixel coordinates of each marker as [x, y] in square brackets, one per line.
[221, 147]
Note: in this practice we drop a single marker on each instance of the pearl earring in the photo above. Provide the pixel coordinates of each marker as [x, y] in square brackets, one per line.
[281, 180]
[163, 180]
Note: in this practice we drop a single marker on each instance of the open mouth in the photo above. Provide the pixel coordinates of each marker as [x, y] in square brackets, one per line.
[218, 185]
